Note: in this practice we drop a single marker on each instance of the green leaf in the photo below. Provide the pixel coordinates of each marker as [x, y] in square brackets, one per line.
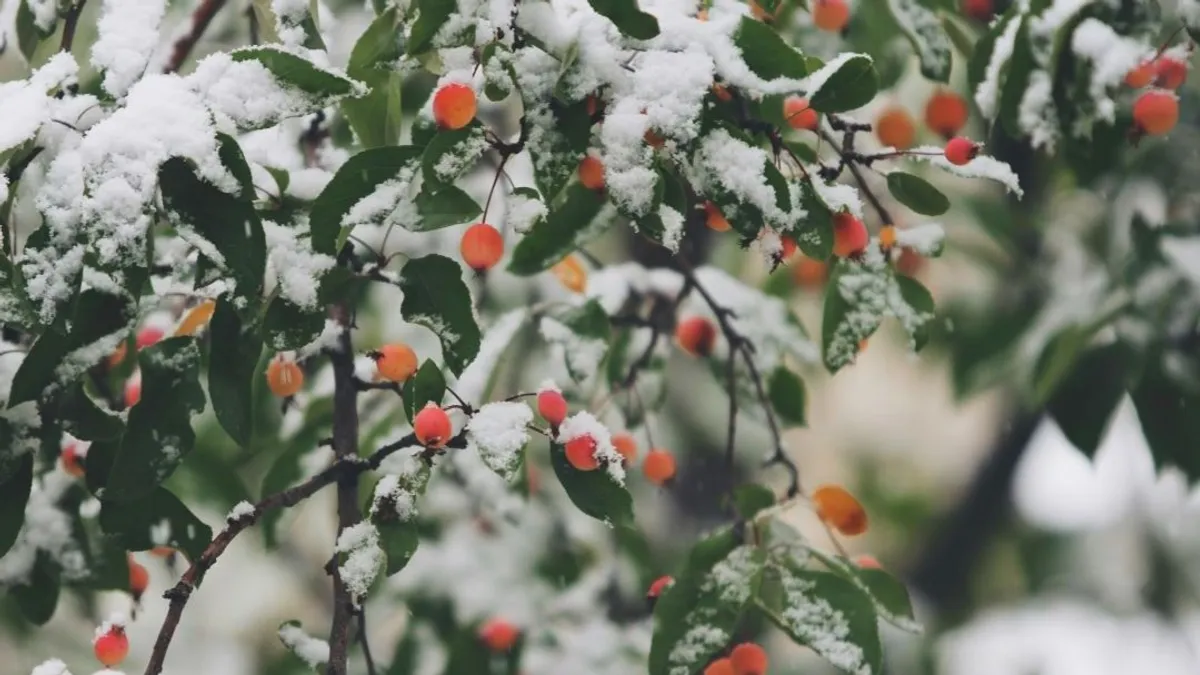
[830, 615]
[628, 18]
[14, 494]
[451, 153]
[159, 432]
[357, 178]
[29, 36]
[984, 48]
[231, 372]
[432, 15]
[444, 206]
[593, 492]
[427, 386]
[298, 71]
[436, 297]
[287, 326]
[696, 617]
[919, 298]
[1021, 65]
[229, 223]
[917, 194]
[399, 541]
[1170, 417]
[378, 47]
[815, 238]
[751, 498]
[786, 391]
[86, 420]
[376, 117]
[38, 598]
[1085, 399]
[890, 596]
[851, 84]
[766, 53]
[586, 338]
[567, 227]
[158, 519]
[924, 31]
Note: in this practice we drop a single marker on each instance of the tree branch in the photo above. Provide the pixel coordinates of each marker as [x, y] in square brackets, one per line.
[183, 46]
[848, 158]
[345, 444]
[70, 22]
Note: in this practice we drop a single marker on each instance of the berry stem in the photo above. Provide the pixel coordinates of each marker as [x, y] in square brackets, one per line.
[848, 157]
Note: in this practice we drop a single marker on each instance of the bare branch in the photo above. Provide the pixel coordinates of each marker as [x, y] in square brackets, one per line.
[183, 46]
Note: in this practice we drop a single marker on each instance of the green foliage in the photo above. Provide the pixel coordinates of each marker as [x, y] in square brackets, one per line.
[917, 194]
[594, 492]
[436, 297]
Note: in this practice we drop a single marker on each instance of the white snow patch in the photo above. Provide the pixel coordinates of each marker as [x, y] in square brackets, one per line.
[499, 432]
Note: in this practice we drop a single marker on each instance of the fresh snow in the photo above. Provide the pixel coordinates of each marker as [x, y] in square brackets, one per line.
[127, 36]
[499, 432]
[310, 650]
[583, 423]
[359, 544]
[982, 166]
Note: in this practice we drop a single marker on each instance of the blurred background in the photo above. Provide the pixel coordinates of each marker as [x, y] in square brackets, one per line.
[1023, 555]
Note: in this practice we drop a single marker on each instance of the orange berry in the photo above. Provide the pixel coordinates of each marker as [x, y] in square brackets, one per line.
[696, 335]
[868, 562]
[196, 319]
[1141, 75]
[840, 509]
[809, 272]
[960, 151]
[1170, 73]
[133, 391]
[395, 362]
[139, 578]
[626, 446]
[552, 406]
[1156, 112]
[758, 12]
[591, 173]
[432, 426]
[594, 104]
[499, 635]
[118, 355]
[789, 246]
[748, 659]
[980, 10]
[849, 235]
[702, 15]
[284, 377]
[581, 453]
[714, 218]
[70, 460]
[162, 551]
[659, 466]
[720, 667]
[896, 128]
[862, 345]
[659, 585]
[481, 247]
[946, 113]
[909, 262]
[111, 647]
[798, 113]
[454, 106]
[887, 236]
[722, 93]
[571, 273]
[830, 15]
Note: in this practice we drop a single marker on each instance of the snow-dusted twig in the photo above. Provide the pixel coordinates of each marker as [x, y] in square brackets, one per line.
[70, 21]
[345, 445]
[850, 159]
[183, 46]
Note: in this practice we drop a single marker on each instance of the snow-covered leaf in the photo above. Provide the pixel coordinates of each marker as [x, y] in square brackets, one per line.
[628, 18]
[917, 194]
[568, 226]
[766, 53]
[231, 368]
[888, 594]
[697, 615]
[428, 385]
[443, 206]
[29, 33]
[582, 333]
[159, 432]
[1017, 76]
[14, 493]
[436, 297]
[356, 179]
[845, 83]
[786, 391]
[451, 153]
[299, 72]
[158, 519]
[923, 28]
[432, 15]
[828, 614]
[287, 326]
[83, 417]
[310, 650]
[593, 492]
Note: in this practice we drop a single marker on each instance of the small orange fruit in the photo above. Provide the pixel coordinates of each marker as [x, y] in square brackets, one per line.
[71, 460]
[499, 635]
[799, 115]
[659, 466]
[887, 236]
[581, 453]
[139, 579]
[454, 106]
[571, 273]
[395, 362]
[481, 247]
[1156, 112]
[830, 15]
[722, 93]
[748, 659]
[111, 647]
[696, 335]
[849, 235]
[809, 272]
[840, 509]
[714, 218]
[133, 391]
[1170, 73]
[896, 128]
[980, 10]
[432, 426]
[1141, 75]
[626, 446]
[946, 113]
[720, 667]
[284, 377]
[196, 319]
[591, 173]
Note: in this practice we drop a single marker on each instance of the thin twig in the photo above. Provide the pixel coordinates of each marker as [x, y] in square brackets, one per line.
[70, 22]
[362, 640]
[848, 156]
[183, 46]
[731, 434]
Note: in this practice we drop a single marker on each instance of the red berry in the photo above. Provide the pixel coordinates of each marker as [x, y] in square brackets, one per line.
[696, 335]
[552, 406]
[980, 10]
[148, 336]
[481, 247]
[133, 391]
[111, 647]
[868, 562]
[659, 585]
[139, 578]
[849, 235]
[1170, 73]
[960, 151]
[70, 459]
[830, 15]
[748, 659]
[581, 453]
[720, 667]
[799, 115]
[591, 173]
[1156, 112]
[454, 106]
[499, 635]
[715, 219]
[1141, 75]
[432, 426]
[946, 113]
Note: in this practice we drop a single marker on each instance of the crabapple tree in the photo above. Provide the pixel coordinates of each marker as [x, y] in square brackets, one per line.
[291, 248]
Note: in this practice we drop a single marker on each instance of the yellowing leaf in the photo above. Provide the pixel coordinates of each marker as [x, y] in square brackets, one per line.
[197, 318]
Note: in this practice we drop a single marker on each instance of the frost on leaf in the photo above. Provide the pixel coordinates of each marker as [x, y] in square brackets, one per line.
[861, 295]
[582, 353]
[48, 530]
[127, 34]
[244, 95]
[726, 165]
[498, 431]
[361, 558]
[292, 264]
[723, 594]
[396, 492]
[829, 615]
[982, 166]
[923, 28]
[310, 650]
[27, 104]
